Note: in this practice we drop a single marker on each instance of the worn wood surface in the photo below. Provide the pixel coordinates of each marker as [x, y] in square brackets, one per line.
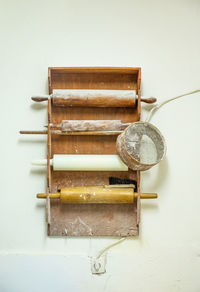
[97, 195]
[94, 102]
[48, 214]
[76, 133]
[87, 220]
[91, 125]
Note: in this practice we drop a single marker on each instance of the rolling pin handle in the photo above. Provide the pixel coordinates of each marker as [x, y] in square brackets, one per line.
[149, 100]
[52, 195]
[40, 98]
[146, 195]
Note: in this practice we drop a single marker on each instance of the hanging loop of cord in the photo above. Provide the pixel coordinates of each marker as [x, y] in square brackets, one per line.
[101, 252]
[157, 107]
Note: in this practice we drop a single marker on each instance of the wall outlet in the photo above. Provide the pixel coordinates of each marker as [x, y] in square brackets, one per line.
[98, 265]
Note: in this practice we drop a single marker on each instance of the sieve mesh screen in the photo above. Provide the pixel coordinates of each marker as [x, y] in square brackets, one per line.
[144, 143]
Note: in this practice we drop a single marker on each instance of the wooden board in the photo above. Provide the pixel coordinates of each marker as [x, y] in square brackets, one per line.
[91, 220]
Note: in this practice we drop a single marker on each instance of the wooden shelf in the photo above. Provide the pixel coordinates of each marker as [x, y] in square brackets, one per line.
[90, 220]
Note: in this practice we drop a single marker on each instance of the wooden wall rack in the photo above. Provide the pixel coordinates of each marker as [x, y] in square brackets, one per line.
[95, 219]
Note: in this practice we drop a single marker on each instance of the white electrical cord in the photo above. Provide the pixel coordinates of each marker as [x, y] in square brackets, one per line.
[157, 107]
[151, 113]
[101, 252]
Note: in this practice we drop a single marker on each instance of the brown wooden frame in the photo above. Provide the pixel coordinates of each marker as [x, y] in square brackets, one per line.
[98, 220]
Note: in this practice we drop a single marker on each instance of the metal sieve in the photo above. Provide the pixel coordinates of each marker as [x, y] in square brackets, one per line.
[141, 146]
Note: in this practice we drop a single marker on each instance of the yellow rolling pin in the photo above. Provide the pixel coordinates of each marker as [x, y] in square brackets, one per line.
[97, 195]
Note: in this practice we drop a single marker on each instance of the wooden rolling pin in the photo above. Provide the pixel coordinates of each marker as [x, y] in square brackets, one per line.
[90, 125]
[84, 127]
[93, 98]
[97, 195]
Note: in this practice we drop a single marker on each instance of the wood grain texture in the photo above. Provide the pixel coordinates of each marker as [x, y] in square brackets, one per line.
[76, 133]
[88, 220]
[48, 207]
[90, 125]
[94, 98]
[95, 102]
[97, 195]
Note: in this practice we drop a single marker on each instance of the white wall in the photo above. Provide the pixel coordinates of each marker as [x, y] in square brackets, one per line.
[163, 38]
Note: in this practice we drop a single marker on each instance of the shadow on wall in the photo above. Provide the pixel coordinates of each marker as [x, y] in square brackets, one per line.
[39, 106]
[161, 176]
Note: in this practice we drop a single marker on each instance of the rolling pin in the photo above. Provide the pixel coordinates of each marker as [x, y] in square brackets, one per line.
[97, 195]
[92, 98]
[84, 127]
[90, 125]
[75, 162]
